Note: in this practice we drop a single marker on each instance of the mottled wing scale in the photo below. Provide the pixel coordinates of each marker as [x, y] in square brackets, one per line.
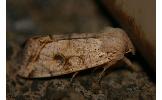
[56, 55]
[58, 58]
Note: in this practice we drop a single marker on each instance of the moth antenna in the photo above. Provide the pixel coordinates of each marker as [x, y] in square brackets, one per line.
[71, 80]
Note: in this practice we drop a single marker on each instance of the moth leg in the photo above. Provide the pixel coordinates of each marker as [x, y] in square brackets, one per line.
[129, 63]
[73, 76]
[102, 73]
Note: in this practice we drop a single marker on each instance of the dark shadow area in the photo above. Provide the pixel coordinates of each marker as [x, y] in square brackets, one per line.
[144, 64]
[137, 56]
[106, 14]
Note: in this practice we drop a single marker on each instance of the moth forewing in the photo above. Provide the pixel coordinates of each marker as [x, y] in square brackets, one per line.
[57, 55]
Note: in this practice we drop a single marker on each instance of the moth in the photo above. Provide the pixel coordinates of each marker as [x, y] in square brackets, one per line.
[55, 55]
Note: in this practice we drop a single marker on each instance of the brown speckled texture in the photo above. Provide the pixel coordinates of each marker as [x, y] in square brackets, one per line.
[28, 18]
[49, 57]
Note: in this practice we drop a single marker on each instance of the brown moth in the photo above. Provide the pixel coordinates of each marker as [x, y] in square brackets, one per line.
[55, 55]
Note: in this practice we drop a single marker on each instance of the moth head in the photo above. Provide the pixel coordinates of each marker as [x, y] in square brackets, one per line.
[121, 34]
[130, 47]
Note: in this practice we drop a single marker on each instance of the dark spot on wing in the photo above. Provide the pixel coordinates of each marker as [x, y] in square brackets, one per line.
[67, 64]
[60, 58]
[31, 74]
